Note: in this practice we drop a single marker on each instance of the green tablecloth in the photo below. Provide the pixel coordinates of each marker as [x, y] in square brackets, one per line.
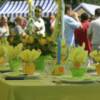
[46, 90]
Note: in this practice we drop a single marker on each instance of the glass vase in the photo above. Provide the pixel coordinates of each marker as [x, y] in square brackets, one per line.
[15, 64]
[98, 68]
[40, 63]
[78, 70]
[2, 61]
[28, 68]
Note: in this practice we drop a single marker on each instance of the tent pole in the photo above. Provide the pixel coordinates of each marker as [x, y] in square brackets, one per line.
[30, 16]
[62, 18]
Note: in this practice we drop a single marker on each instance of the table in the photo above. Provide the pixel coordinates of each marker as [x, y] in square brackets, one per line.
[46, 90]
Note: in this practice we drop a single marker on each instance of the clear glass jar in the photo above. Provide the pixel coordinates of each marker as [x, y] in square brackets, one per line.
[28, 68]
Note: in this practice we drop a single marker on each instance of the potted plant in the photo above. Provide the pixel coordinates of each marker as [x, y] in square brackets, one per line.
[78, 58]
[95, 55]
[28, 58]
[12, 56]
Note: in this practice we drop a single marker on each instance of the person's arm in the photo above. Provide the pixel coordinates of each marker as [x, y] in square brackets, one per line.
[72, 22]
[75, 16]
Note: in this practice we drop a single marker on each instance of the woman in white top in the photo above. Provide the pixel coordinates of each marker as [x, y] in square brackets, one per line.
[4, 29]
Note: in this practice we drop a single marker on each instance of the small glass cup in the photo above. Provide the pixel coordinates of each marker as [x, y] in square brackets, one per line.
[48, 67]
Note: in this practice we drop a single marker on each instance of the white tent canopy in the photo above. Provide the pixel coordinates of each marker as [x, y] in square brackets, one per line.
[15, 8]
[85, 7]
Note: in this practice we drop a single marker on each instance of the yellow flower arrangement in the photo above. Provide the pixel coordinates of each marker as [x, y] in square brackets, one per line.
[28, 57]
[12, 56]
[78, 56]
[13, 52]
[95, 55]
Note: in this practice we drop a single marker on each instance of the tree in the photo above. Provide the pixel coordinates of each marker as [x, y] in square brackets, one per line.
[2, 1]
[74, 3]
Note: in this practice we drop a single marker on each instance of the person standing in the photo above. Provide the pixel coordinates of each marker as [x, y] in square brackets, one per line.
[17, 33]
[38, 24]
[19, 26]
[94, 30]
[81, 33]
[4, 29]
[71, 22]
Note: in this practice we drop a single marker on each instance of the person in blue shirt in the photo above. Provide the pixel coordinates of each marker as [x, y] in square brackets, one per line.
[71, 22]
